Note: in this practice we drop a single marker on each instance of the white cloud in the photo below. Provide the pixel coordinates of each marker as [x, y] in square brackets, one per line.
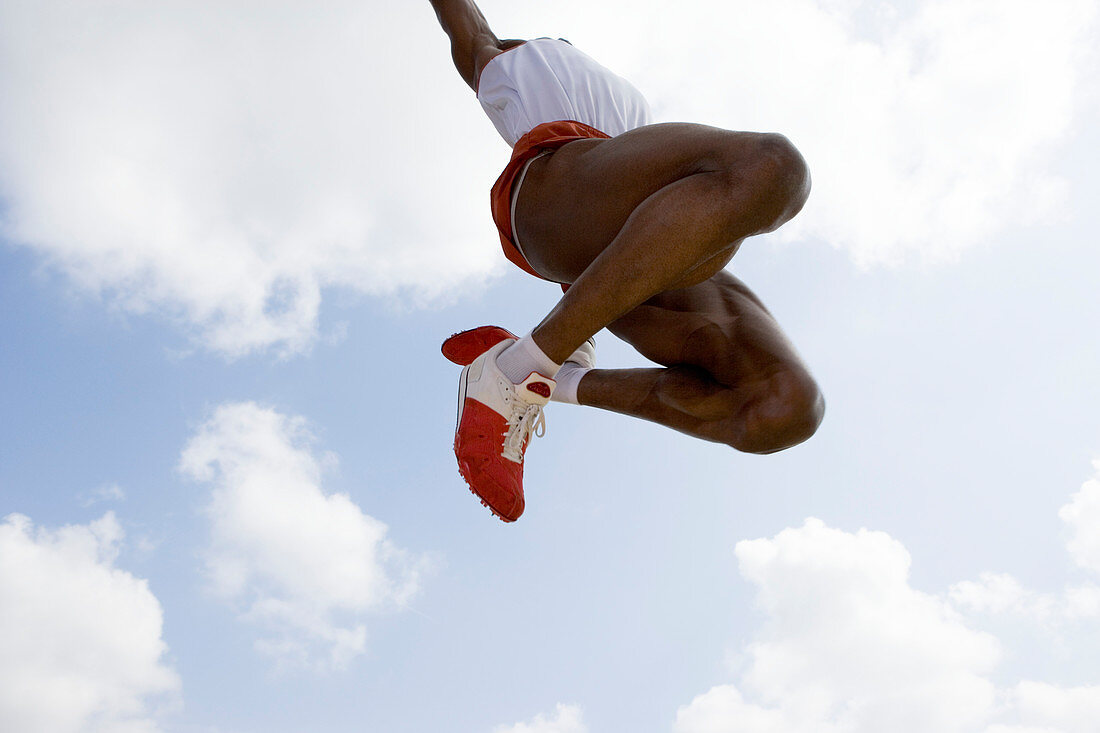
[567, 719]
[107, 492]
[224, 162]
[997, 593]
[80, 639]
[848, 646]
[723, 710]
[1082, 601]
[300, 562]
[1040, 707]
[1044, 707]
[1082, 515]
[927, 130]
[1003, 594]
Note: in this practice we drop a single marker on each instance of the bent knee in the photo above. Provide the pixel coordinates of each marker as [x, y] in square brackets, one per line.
[777, 175]
[788, 412]
[783, 178]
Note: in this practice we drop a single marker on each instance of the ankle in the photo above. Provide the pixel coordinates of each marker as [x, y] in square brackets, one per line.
[568, 382]
[522, 358]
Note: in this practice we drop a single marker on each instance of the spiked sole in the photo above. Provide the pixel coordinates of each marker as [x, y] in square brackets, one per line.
[484, 503]
[465, 346]
[463, 469]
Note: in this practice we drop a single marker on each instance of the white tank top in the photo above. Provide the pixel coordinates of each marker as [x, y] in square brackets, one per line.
[546, 80]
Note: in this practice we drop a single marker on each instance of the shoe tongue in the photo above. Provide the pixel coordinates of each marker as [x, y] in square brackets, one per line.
[536, 389]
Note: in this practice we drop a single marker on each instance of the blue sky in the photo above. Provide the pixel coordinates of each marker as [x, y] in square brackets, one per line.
[225, 467]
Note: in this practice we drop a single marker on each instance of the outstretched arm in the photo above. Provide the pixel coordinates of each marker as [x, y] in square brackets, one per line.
[473, 43]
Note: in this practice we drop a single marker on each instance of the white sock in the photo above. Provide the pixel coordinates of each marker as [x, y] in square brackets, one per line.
[569, 376]
[523, 357]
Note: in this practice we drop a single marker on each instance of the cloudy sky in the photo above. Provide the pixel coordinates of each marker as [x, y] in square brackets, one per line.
[233, 235]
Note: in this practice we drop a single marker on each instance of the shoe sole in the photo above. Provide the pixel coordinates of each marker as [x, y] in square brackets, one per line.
[465, 346]
[484, 503]
[462, 468]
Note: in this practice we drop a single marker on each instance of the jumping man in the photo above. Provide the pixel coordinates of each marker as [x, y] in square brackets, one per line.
[638, 222]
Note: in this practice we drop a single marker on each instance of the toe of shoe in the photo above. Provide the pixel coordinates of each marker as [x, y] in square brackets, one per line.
[498, 486]
[502, 489]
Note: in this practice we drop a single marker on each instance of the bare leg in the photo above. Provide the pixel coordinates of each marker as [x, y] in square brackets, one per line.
[731, 376]
[642, 225]
[658, 208]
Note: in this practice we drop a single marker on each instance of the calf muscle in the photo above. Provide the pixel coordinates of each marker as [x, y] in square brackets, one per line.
[732, 377]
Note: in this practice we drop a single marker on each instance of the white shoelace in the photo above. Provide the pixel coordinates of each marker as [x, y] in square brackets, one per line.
[524, 420]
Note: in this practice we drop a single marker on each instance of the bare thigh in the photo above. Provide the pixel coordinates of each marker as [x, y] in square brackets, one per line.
[573, 203]
[719, 326]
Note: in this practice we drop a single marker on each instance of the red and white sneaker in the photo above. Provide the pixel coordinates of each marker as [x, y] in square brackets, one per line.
[495, 422]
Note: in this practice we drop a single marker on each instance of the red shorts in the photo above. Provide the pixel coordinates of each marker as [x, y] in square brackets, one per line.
[547, 136]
